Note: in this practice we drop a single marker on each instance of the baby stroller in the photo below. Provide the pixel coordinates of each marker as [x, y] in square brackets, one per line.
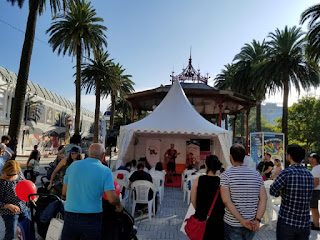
[117, 226]
[43, 210]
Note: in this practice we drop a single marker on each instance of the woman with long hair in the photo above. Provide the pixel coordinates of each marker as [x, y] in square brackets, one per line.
[203, 192]
[11, 207]
[74, 155]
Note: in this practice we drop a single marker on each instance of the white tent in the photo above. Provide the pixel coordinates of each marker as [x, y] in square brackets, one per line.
[174, 117]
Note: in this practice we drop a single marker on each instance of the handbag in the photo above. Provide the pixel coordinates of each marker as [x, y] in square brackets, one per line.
[195, 228]
[55, 228]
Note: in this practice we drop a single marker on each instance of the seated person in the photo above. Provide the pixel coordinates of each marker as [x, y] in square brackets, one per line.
[126, 167]
[140, 174]
[134, 165]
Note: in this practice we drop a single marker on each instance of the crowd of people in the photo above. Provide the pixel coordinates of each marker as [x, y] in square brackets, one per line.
[240, 207]
[237, 212]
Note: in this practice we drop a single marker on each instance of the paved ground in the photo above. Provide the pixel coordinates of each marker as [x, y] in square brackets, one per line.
[167, 223]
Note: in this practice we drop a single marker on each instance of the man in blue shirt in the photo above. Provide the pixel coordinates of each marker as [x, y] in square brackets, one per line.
[295, 185]
[85, 182]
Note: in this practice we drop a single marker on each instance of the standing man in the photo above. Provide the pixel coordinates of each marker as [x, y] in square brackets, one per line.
[268, 166]
[244, 195]
[85, 182]
[295, 184]
[314, 161]
[170, 156]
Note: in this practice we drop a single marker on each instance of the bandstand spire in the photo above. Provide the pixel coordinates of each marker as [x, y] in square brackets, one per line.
[190, 74]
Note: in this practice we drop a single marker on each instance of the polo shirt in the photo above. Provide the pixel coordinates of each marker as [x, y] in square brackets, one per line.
[87, 180]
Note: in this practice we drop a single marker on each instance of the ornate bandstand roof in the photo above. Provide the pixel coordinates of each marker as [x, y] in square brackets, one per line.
[207, 100]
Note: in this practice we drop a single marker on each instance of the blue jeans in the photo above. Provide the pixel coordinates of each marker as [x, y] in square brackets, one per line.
[285, 231]
[81, 226]
[237, 233]
[11, 221]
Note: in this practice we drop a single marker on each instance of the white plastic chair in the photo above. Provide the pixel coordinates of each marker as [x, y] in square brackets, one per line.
[273, 204]
[124, 184]
[184, 188]
[185, 172]
[140, 190]
[190, 179]
[158, 182]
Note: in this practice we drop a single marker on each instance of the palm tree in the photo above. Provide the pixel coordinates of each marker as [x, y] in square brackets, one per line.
[288, 65]
[95, 75]
[35, 7]
[313, 14]
[122, 86]
[77, 33]
[247, 79]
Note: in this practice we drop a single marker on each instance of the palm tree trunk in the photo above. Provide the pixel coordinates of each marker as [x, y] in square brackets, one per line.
[258, 117]
[78, 90]
[242, 123]
[112, 110]
[22, 81]
[285, 110]
[97, 113]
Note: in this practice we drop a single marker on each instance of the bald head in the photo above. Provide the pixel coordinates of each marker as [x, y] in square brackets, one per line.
[96, 150]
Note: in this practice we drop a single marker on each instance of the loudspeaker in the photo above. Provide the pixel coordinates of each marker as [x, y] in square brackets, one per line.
[239, 140]
[111, 140]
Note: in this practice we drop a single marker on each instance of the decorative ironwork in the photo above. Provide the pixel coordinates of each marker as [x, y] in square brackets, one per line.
[190, 74]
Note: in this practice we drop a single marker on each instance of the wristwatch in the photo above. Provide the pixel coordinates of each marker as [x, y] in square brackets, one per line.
[259, 220]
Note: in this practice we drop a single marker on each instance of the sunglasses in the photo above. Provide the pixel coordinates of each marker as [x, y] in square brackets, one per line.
[11, 175]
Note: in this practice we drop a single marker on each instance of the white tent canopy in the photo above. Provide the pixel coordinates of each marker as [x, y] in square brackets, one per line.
[174, 116]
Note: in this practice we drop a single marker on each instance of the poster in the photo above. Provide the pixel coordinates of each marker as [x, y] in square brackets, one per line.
[49, 118]
[193, 152]
[261, 143]
[153, 151]
[256, 147]
[273, 144]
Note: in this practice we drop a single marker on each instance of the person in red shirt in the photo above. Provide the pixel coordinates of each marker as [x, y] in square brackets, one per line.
[170, 157]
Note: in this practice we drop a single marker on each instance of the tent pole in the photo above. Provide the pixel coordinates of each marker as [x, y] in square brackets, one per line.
[247, 132]
[220, 113]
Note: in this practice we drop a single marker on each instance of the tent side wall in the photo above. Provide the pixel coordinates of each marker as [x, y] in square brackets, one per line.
[135, 146]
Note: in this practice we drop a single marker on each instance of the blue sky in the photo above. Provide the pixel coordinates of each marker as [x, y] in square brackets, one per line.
[151, 38]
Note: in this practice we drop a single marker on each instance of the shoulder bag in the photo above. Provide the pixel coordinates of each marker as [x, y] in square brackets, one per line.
[195, 228]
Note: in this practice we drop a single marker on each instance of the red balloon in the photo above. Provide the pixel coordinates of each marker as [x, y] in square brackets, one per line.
[116, 187]
[24, 188]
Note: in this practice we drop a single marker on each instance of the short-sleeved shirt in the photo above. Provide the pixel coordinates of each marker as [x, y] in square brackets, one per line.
[295, 185]
[268, 164]
[316, 174]
[244, 184]
[87, 180]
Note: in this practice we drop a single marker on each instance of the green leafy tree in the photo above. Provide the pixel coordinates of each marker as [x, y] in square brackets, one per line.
[77, 32]
[35, 7]
[96, 76]
[288, 65]
[265, 126]
[304, 123]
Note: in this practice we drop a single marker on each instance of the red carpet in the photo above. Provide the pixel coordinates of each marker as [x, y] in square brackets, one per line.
[176, 182]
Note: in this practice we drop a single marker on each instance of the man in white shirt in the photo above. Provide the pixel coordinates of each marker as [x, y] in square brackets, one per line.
[314, 161]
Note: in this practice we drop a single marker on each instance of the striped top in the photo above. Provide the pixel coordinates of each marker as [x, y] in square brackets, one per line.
[244, 185]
